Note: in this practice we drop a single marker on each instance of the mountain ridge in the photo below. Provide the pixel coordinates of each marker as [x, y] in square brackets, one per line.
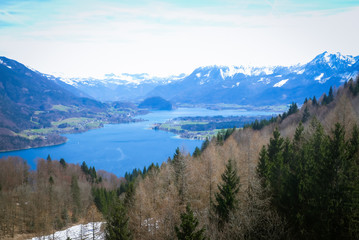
[261, 86]
[243, 85]
[35, 109]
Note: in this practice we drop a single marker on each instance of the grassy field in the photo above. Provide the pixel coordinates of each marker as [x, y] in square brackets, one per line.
[61, 108]
[72, 125]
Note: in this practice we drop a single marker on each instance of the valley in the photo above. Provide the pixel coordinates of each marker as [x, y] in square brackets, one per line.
[37, 108]
[179, 120]
[73, 158]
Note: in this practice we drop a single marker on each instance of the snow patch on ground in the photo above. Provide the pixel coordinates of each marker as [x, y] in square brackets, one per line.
[281, 83]
[78, 232]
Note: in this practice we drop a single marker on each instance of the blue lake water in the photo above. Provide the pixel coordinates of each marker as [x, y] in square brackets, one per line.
[119, 148]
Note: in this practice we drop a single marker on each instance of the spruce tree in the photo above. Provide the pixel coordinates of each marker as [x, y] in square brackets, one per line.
[189, 224]
[63, 163]
[293, 108]
[226, 198]
[197, 152]
[75, 193]
[315, 102]
[325, 99]
[330, 95]
[130, 195]
[205, 144]
[179, 166]
[84, 168]
[306, 114]
[117, 224]
[262, 166]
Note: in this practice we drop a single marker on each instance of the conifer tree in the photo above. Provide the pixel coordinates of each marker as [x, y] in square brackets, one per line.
[262, 166]
[75, 192]
[179, 166]
[306, 114]
[189, 224]
[330, 95]
[196, 152]
[325, 99]
[293, 108]
[117, 224]
[353, 154]
[130, 194]
[226, 198]
[205, 144]
[314, 102]
[275, 158]
[84, 168]
[63, 163]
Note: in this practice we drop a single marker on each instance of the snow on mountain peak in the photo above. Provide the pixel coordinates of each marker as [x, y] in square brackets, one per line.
[334, 58]
[120, 79]
[281, 83]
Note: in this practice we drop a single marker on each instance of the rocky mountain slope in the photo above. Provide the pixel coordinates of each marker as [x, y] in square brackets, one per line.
[261, 86]
[227, 84]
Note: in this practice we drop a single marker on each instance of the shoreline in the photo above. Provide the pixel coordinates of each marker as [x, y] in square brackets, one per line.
[47, 145]
[60, 134]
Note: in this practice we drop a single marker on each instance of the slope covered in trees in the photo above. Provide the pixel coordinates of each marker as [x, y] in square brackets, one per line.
[56, 195]
[35, 109]
[155, 103]
[295, 177]
[305, 186]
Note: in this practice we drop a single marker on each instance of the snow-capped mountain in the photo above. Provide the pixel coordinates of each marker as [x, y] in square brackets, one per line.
[112, 87]
[261, 85]
[228, 84]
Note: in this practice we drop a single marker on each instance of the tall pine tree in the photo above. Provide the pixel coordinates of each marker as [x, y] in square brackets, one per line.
[189, 224]
[226, 198]
[117, 224]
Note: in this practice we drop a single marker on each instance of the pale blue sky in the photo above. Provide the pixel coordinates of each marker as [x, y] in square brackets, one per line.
[81, 38]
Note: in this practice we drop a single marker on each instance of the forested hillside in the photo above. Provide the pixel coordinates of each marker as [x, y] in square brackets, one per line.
[56, 195]
[292, 177]
[35, 109]
[305, 186]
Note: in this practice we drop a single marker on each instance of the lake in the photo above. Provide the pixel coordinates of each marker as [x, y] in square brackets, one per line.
[119, 148]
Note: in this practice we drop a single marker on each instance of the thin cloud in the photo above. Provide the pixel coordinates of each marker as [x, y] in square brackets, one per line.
[170, 38]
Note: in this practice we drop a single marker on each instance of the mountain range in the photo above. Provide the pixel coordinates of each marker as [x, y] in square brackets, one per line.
[228, 84]
[24, 91]
[122, 87]
[30, 100]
